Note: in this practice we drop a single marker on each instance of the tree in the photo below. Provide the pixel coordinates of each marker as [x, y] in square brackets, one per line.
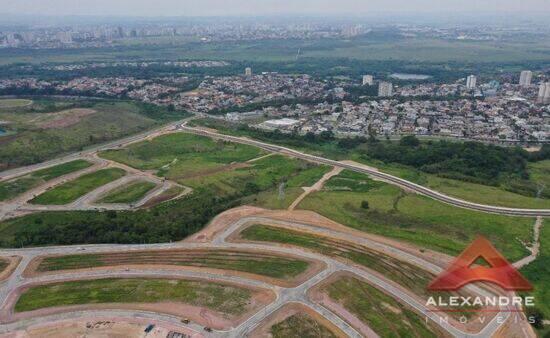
[365, 204]
[409, 141]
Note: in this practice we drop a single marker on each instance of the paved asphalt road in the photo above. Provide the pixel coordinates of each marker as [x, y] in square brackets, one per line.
[284, 295]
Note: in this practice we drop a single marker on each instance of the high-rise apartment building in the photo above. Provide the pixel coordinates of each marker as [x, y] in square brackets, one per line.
[471, 82]
[525, 78]
[368, 80]
[248, 71]
[544, 93]
[385, 89]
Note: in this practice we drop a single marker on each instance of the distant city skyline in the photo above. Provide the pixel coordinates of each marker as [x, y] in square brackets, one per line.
[273, 7]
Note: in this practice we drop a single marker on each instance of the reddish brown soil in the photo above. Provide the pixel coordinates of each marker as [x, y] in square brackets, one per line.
[13, 263]
[66, 118]
[289, 310]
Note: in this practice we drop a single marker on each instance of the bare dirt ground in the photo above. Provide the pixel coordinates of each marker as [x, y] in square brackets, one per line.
[287, 311]
[201, 315]
[100, 327]
[316, 187]
[13, 263]
[65, 118]
[163, 263]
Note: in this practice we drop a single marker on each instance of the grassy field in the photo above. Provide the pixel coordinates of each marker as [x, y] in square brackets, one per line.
[366, 48]
[14, 103]
[403, 273]
[256, 263]
[47, 129]
[538, 273]
[383, 314]
[12, 188]
[414, 218]
[130, 193]
[223, 298]
[200, 162]
[300, 325]
[539, 172]
[70, 191]
[3, 264]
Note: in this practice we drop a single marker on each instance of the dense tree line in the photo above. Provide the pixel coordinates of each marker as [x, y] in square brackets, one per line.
[166, 222]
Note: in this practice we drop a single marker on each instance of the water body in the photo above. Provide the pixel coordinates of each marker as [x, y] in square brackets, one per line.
[2, 132]
[403, 76]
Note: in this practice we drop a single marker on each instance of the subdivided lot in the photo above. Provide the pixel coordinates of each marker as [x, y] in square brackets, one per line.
[129, 193]
[264, 264]
[223, 167]
[357, 201]
[380, 312]
[300, 325]
[12, 188]
[70, 191]
[47, 129]
[407, 275]
[230, 300]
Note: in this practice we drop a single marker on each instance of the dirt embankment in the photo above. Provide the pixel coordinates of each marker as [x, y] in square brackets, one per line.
[13, 262]
[263, 330]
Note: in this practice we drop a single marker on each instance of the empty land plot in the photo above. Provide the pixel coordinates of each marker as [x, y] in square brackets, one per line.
[179, 156]
[12, 188]
[226, 299]
[413, 218]
[300, 325]
[407, 275]
[383, 314]
[14, 103]
[70, 191]
[4, 263]
[130, 193]
[263, 264]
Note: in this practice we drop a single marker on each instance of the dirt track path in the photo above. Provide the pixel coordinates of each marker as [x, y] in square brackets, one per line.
[316, 187]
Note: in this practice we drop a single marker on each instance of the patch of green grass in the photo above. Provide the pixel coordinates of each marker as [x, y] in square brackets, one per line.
[130, 193]
[70, 191]
[227, 299]
[538, 273]
[414, 218]
[257, 263]
[111, 120]
[383, 314]
[300, 325]
[179, 155]
[14, 103]
[3, 264]
[12, 188]
[465, 190]
[273, 199]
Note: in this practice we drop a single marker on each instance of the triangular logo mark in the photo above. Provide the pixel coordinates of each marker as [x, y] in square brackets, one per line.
[499, 272]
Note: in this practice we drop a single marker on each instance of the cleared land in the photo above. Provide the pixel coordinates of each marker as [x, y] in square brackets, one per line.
[263, 264]
[12, 188]
[14, 103]
[133, 192]
[422, 221]
[70, 191]
[222, 167]
[227, 299]
[300, 325]
[382, 313]
[48, 128]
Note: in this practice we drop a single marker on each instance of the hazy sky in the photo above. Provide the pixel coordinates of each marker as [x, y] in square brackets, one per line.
[252, 7]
